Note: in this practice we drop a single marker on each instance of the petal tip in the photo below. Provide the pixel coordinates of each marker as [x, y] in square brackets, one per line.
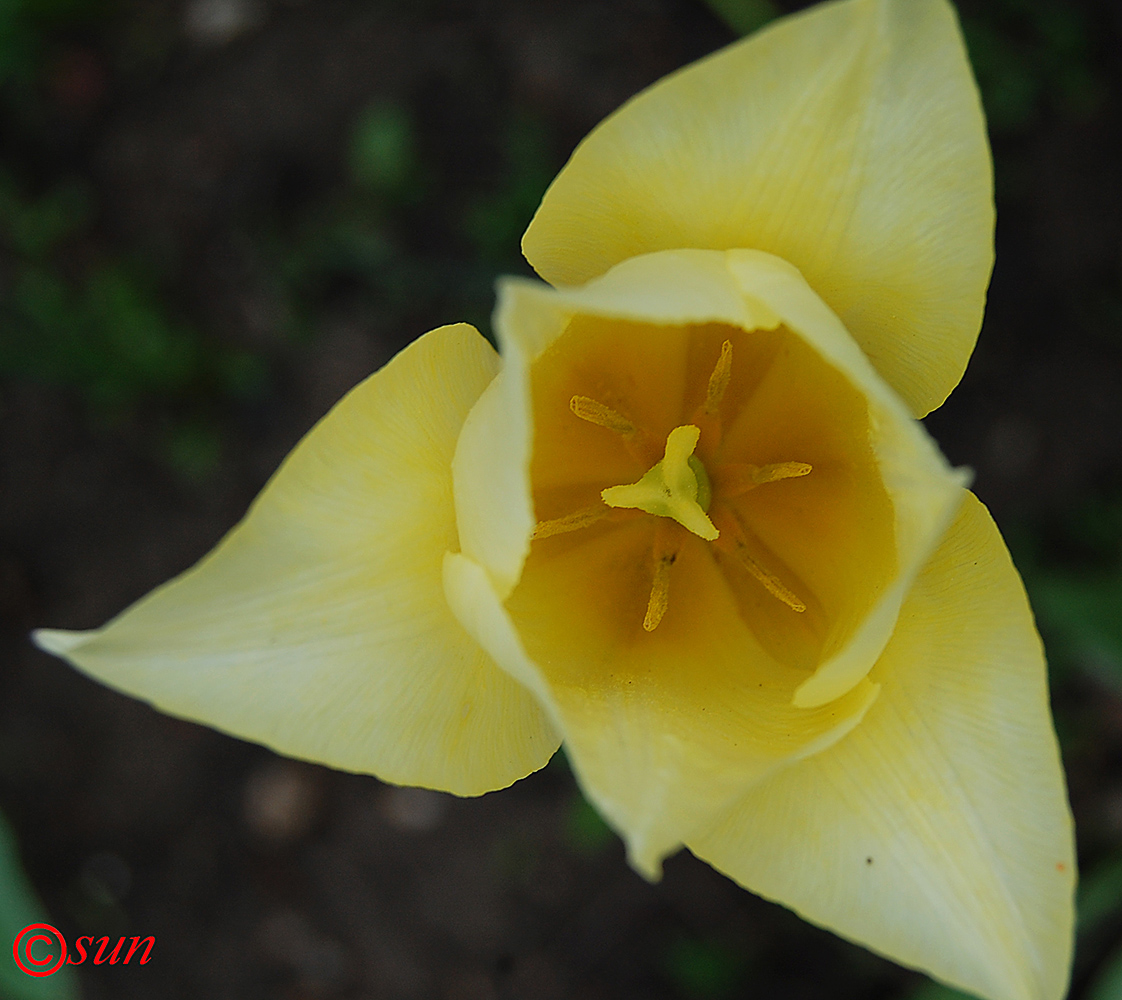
[59, 642]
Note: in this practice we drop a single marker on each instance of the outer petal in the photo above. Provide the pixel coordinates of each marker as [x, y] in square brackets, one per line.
[938, 831]
[319, 626]
[848, 140]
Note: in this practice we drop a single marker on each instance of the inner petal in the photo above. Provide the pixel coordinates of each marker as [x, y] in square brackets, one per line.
[580, 607]
[785, 440]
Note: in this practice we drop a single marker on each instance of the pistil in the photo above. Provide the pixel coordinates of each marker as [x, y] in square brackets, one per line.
[671, 488]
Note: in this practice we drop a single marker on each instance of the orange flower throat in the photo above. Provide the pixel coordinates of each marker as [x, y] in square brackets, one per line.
[679, 488]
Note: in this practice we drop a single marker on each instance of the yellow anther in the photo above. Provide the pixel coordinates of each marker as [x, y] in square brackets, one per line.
[671, 488]
[769, 581]
[735, 543]
[570, 522]
[779, 470]
[735, 479]
[659, 600]
[719, 380]
[601, 415]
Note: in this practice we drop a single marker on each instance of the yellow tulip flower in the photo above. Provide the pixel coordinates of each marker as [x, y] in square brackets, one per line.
[689, 523]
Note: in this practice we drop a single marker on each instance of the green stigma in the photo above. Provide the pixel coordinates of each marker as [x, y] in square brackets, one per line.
[677, 486]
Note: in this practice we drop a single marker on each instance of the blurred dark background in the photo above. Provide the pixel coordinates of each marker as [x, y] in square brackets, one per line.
[218, 215]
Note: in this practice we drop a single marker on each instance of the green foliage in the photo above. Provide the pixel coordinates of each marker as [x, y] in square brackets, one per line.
[346, 245]
[586, 832]
[193, 447]
[494, 222]
[1098, 905]
[1084, 613]
[355, 251]
[931, 990]
[1073, 572]
[1100, 894]
[704, 970]
[744, 16]
[32, 229]
[18, 908]
[383, 154]
[1107, 984]
[1027, 55]
[102, 329]
[108, 336]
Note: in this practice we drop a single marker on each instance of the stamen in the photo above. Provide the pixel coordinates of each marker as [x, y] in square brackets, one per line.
[733, 540]
[780, 470]
[735, 479]
[570, 522]
[601, 415]
[719, 380]
[769, 581]
[659, 600]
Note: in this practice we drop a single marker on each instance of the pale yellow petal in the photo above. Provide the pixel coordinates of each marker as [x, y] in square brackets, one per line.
[319, 626]
[494, 515]
[937, 832]
[659, 763]
[848, 140]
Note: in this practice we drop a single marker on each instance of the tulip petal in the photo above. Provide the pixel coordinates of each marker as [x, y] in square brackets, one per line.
[937, 832]
[848, 140]
[319, 626]
[656, 771]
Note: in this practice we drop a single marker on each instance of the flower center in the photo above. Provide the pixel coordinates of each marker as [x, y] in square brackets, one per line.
[678, 488]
